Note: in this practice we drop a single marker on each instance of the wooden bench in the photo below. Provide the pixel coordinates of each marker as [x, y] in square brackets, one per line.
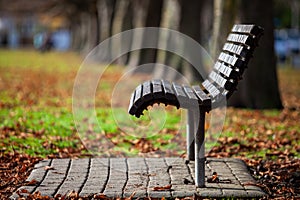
[220, 84]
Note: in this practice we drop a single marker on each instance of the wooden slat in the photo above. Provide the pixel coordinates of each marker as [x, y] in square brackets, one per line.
[132, 109]
[238, 50]
[169, 93]
[138, 93]
[132, 99]
[218, 79]
[137, 107]
[242, 28]
[226, 70]
[179, 91]
[190, 93]
[247, 28]
[231, 60]
[157, 89]
[201, 95]
[147, 91]
[222, 82]
[182, 98]
[241, 39]
[167, 89]
[213, 90]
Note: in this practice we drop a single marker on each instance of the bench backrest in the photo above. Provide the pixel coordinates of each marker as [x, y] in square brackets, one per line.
[232, 61]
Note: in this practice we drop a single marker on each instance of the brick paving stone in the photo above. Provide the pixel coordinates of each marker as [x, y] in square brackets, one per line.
[137, 178]
[125, 177]
[209, 192]
[117, 177]
[160, 177]
[96, 180]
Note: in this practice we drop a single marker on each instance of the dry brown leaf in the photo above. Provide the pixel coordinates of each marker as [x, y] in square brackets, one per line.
[24, 191]
[162, 188]
[214, 178]
[33, 182]
[100, 196]
[48, 168]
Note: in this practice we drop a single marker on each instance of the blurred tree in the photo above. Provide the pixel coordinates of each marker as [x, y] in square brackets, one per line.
[206, 21]
[153, 19]
[282, 12]
[84, 23]
[287, 13]
[170, 20]
[122, 22]
[259, 89]
[224, 18]
[190, 25]
[139, 13]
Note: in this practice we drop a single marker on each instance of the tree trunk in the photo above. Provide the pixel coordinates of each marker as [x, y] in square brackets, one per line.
[127, 24]
[190, 16]
[170, 20]
[92, 31]
[139, 15]
[76, 40]
[106, 14]
[82, 32]
[206, 21]
[117, 26]
[153, 19]
[259, 89]
[224, 14]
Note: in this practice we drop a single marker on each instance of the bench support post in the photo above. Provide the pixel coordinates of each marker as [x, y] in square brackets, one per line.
[200, 151]
[190, 135]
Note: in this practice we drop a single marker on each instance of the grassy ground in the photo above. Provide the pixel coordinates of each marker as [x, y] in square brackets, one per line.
[36, 116]
[36, 108]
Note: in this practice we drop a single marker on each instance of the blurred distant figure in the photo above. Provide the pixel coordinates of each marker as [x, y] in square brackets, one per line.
[59, 40]
[43, 42]
[47, 43]
[38, 40]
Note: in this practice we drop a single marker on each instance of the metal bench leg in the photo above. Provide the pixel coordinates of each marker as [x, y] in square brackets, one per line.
[200, 151]
[190, 135]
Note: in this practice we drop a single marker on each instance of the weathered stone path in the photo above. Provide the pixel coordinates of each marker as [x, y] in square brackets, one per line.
[121, 177]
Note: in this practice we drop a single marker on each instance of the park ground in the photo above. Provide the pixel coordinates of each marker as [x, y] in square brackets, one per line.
[36, 122]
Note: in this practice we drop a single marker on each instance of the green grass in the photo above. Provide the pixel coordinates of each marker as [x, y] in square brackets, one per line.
[29, 59]
[41, 132]
[37, 132]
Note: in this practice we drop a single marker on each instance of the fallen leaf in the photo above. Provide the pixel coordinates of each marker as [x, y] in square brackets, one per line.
[162, 188]
[214, 178]
[33, 182]
[24, 191]
[100, 196]
[48, 168]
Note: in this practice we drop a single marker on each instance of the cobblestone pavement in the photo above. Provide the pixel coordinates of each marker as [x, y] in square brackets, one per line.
[122, 177]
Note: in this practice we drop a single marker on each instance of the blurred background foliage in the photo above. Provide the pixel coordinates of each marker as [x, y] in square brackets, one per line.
[75, 25]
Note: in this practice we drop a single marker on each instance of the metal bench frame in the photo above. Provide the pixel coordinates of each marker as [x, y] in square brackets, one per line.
[220, 84]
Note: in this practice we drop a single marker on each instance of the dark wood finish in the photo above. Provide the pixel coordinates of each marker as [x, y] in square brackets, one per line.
[226, 70]
[204, 100]
[222, 81]
[237, 50]
[231, 60]
[169, 93]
